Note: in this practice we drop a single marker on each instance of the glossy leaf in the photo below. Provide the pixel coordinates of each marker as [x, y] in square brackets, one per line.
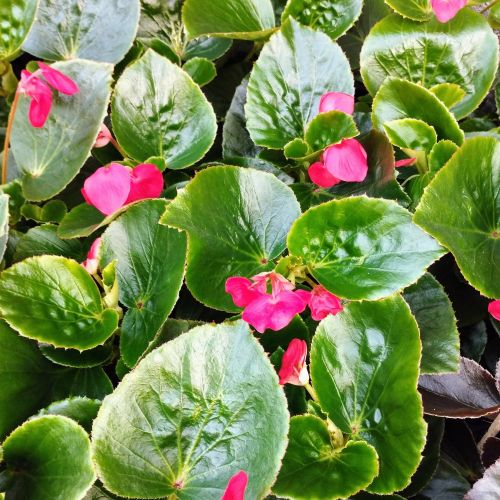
[201, 70]
[331, 17]
[95, 30]
[461, 209]
[362, 248]
[448, 93]
[150, 261]
[463, 51]
[49, 457]
[158, 110]
[54, 300]
[409, 133]
[80, 409]
[237, 220]
[325, 472]
[16, 19]
[419, 10]
[295, 68]
[440, 154]
[50, 157]
[75, 359]
[192, 413]
[436, 320]
[364, 369]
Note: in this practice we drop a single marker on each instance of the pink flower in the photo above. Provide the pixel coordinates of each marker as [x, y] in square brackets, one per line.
[110, 188]
[407, 162]
[103, 137]
[320, 175]
[494, 309]
[236, 487]
[58, 80]
[447, 9]
[91, 264]
[346, 161]
[293, 365]
[243, 291]
[322, 303]
[337, 101]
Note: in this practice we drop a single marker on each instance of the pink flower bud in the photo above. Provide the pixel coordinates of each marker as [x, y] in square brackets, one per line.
[494, 309]
[236, 487]
[293, 365]
[446, 10]
[407, 162]
[337, 101]
[346, 161]
[322, 303]
[103, 137]
[91, 263]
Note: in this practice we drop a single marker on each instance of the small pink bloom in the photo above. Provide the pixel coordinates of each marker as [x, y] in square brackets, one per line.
[319, 174]
[337, 101]
[407, 162]
[243, 291]
[41, 98]
[293, 365]
[304, 295]
[447, 9]
[236, 487]
[494, 309]
[58, 80]
[91, 264]
[346, 161]
[107, 188]
[103, 137]
[322, 303]
[146, 181]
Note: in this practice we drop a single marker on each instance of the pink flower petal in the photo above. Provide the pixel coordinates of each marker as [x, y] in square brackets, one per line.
[323, 303]
[494, 309]
[108, 188]
[94, 249]
[446, 10]
[304, 295]
[321, 176]
[407, 162]
[103, 137]
[146, 182]
[41, 103]
[242, 290]
[293, 365]
[337, 101]
[236, 487]
[58, 80]
[347, 161]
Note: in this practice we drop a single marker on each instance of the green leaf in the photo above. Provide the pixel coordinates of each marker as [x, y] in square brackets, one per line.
[54, 300]
[437, 323]
[4, 223]
[330, 128]
[52, 211]
[409, 133]
[50, 157]
[325, 472]
[95, 30]
[207, 47]
[76, 359]
[364, 368]
[418, 10]
[49, 457]
[237, 220]
[90, 382]
[16, 19]
[201, 70]
[193, 413]
[158, 110]
[440, 154]
[150, 269]
[295, 68]
[398, 99]
[461, 209]
[463, 51]
[362, 248]
[494, 17]
[333, 17]
[240, 19]
[448, 93]
[296, 149]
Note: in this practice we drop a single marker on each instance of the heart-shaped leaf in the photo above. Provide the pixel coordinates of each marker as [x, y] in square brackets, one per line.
[364, 368]
[150, 261]
[461, 209]
[193, 413]
[463, 51]
[95, 30]
[295, 68]
[325, 472]
[418, 10]
[237, 220]
[362, 248]
[158, 110]
[50, 157]
[48, 457]
[54, 300]
[16, 19]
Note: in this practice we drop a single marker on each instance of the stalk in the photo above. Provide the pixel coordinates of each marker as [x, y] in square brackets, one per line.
[8, 132]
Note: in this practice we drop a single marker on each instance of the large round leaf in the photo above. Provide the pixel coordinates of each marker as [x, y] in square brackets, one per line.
[245, 19]
[461, 209]
[49, 457]
[325, 472]
[418, 10]
[296, 67]
[54, 300]
[193, 413]
[364, 367]
[362, 248]
[93, 29]
[50, 157]
[237, 220]
[16, 19]
[150, 261]
[158, 110]
[463, 51]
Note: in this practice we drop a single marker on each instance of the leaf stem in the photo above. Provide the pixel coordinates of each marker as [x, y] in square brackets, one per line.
[309, 388]
[489, 6]
[491, 432]
[113, 141]
[8, 132]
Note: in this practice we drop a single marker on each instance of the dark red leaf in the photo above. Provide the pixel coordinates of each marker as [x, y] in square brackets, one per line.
[491, 451]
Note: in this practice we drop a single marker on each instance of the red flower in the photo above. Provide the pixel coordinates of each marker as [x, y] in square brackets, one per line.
[293, 365]
[494, 309]
[322, 303]
[91, 264]
[236, 487]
